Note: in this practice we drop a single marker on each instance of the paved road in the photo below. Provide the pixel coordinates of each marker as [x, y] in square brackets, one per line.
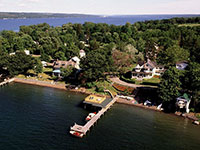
[118, 81]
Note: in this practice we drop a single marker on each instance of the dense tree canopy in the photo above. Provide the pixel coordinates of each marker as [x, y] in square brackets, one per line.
[170, 85]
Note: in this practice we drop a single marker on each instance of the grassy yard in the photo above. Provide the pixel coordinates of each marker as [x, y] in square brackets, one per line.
[40, 76]
[105, 85]
[45, 69]
[188, 25]
[153, 81]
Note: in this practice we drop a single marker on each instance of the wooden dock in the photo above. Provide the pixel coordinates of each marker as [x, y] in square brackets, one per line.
[6, 81]
[84, 129]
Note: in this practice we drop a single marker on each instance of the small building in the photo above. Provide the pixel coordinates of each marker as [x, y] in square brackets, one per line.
[57, 65]
[44, 63]
[76, 60]
[27, 52]
[97, 101]
[181, 65]
[82, 53]
[146, 70]
[183, 102]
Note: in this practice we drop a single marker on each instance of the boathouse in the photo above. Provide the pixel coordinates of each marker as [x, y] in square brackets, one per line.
[97, 101]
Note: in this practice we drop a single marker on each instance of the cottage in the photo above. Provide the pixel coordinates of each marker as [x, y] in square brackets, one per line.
[76, 61]
[82, 53]
[44, 63]
[183, 102]
[181, 65]
[57, 65]
[146, 70]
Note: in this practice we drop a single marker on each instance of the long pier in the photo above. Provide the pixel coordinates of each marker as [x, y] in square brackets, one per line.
[84, 129]
[6, 81]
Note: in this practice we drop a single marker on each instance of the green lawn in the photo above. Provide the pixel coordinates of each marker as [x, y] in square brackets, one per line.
[47, 69]
[188, 25]
[152, 81]
[105, 85]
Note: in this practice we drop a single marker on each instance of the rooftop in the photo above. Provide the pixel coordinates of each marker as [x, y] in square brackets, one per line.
[97, 101]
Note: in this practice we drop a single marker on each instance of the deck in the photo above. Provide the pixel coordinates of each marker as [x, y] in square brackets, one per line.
[84, 129]
[6, 82]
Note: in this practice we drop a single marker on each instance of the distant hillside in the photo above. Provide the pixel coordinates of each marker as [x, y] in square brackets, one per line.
[40, 15]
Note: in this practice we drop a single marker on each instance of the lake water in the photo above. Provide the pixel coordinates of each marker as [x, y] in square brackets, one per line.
[38, 118]
[13, 24]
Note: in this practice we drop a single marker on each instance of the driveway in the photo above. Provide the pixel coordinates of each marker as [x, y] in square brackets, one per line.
[118, 81]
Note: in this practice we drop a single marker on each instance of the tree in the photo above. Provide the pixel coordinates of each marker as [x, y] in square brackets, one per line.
[60, 55]
[172, 55]
[170, 85]
[66, 72]
[192, 82]
[37, 65]
[95, 64]
[3, 62]
[4, 45]
[20, 63]
[18, 44]
[122, 60]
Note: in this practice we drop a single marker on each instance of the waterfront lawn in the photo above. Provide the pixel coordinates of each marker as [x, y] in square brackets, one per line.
[46, 69]
[98, 87]
[153, 81]
[189, 25]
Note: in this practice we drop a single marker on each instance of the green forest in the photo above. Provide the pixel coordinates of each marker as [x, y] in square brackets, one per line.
[111, 48]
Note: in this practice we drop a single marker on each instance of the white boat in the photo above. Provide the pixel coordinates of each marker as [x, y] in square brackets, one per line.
[77, 134]
[90, 116]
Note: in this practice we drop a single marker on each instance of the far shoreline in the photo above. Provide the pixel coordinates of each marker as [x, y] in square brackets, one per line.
[189, 116]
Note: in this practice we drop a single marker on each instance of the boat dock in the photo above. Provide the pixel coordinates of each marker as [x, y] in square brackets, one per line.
[6, 81]
[84, 129]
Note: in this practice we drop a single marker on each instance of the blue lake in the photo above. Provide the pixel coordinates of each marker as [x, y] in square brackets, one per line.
[13, 24]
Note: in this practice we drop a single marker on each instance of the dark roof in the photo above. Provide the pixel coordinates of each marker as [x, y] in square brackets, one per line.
[63, 64]
[141, 62]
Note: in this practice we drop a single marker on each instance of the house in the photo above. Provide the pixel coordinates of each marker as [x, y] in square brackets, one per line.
[183, 102]
[57, 65]
[44, 63]
[27, 52]
[76, 61]
[181, 65]
[82, 53]
[146, 70]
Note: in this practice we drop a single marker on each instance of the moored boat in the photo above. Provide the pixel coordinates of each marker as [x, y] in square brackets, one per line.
[77, 134]
[90, 116]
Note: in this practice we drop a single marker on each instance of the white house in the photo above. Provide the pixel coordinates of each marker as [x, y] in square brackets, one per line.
[181, 65]
[82, 53]
[44, 63]
[27, 52]
[146, 70]
[77, 62]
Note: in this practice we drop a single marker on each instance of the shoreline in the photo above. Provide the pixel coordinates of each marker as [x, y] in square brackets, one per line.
[190, 116]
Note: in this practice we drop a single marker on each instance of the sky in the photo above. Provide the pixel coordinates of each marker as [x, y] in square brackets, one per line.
[103, 7]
